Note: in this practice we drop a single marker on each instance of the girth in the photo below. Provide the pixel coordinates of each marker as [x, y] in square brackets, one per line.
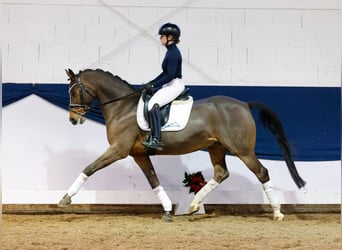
[164, 110]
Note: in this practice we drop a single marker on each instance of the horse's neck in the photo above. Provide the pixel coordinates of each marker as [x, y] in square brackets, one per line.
[110, 89]
[110, 93]
[116, 111]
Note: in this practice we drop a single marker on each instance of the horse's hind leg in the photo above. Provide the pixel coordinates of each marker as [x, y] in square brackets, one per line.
[217, 155]
[261, 173]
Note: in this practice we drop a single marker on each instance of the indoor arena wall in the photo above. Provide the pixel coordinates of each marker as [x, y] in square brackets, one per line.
[268, 45]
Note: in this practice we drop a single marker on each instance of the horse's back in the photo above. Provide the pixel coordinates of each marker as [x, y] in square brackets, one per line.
[223, 105]
[225, 118]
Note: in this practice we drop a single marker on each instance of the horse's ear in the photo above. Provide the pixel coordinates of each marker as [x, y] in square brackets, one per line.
[71, 74]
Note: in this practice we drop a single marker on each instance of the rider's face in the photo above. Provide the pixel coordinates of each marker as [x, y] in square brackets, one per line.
[164, 39]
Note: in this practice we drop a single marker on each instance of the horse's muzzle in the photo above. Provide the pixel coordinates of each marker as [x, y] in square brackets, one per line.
[76, 117]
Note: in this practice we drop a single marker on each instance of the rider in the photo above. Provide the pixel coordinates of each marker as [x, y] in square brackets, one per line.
[169, 82]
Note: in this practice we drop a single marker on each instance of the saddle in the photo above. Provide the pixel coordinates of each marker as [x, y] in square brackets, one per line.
[164, 110]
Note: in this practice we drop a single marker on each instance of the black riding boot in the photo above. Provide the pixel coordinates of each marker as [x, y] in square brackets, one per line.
[154, 141]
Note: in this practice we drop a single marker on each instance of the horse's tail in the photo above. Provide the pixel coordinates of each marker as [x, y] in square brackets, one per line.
[270, 120]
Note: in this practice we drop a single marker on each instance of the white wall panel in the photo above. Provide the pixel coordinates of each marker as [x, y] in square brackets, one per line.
[221, 74]
[288, 19]
[100, 35]
[328, 74]
[259, 18]
[203, 18]
[291, 56]
[79, 15]
[269, 4]
[254, 37]
[261, 55]
[321, 19]
[116, 56]
[252, 4]
[15, 33]
[203, 57]
[144, 17]
[50, 53]
[83, 53]
[40, 33]
[19, 14]
[230, 18]
[111, 16]
[70, 34]
[23, 52]
[13, 69]
[94, 33]
[323, 56]
[30, 73]
[310, 38]
[305, 74]
[140, 55]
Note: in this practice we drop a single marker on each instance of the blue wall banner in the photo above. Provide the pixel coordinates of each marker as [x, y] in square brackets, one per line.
[311, 116]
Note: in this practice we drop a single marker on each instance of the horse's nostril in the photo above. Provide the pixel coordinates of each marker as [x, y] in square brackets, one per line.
[73, 121]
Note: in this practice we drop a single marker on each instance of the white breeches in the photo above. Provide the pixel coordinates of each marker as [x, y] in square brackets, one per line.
[167, 93]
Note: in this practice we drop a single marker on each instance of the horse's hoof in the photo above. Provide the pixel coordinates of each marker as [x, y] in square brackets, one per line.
[167, 217]
[65, 201]
[278, 217]
[193, 209]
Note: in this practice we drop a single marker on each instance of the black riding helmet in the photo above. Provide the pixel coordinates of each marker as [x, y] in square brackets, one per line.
[170, 29]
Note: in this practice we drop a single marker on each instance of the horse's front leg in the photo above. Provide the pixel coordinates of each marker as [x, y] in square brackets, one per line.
[111, 155]
[146, 166]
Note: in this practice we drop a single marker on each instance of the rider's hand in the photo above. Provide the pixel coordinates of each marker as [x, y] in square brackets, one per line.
[146, 87]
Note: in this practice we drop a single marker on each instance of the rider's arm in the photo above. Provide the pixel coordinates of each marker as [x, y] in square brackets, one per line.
[169, 71]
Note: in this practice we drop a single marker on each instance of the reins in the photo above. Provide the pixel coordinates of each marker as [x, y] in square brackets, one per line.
[115, 100]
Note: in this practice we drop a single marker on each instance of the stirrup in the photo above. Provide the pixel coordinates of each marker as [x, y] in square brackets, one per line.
[148, 141]
[156, 143]
[153, 143]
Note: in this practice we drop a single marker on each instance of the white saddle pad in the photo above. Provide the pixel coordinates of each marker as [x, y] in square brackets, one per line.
[178, 118]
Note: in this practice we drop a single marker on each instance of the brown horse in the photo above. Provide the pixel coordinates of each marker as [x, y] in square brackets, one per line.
[219, 124]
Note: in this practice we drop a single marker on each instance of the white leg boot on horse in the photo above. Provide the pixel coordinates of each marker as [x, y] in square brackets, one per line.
[201, 195]
[74, 188]
[269, 190]
[166, 203]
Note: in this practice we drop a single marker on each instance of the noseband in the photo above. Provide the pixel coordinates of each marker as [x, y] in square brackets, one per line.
[83, 89]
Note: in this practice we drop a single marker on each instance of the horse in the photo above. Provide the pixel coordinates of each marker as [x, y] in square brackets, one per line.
[218, 124]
